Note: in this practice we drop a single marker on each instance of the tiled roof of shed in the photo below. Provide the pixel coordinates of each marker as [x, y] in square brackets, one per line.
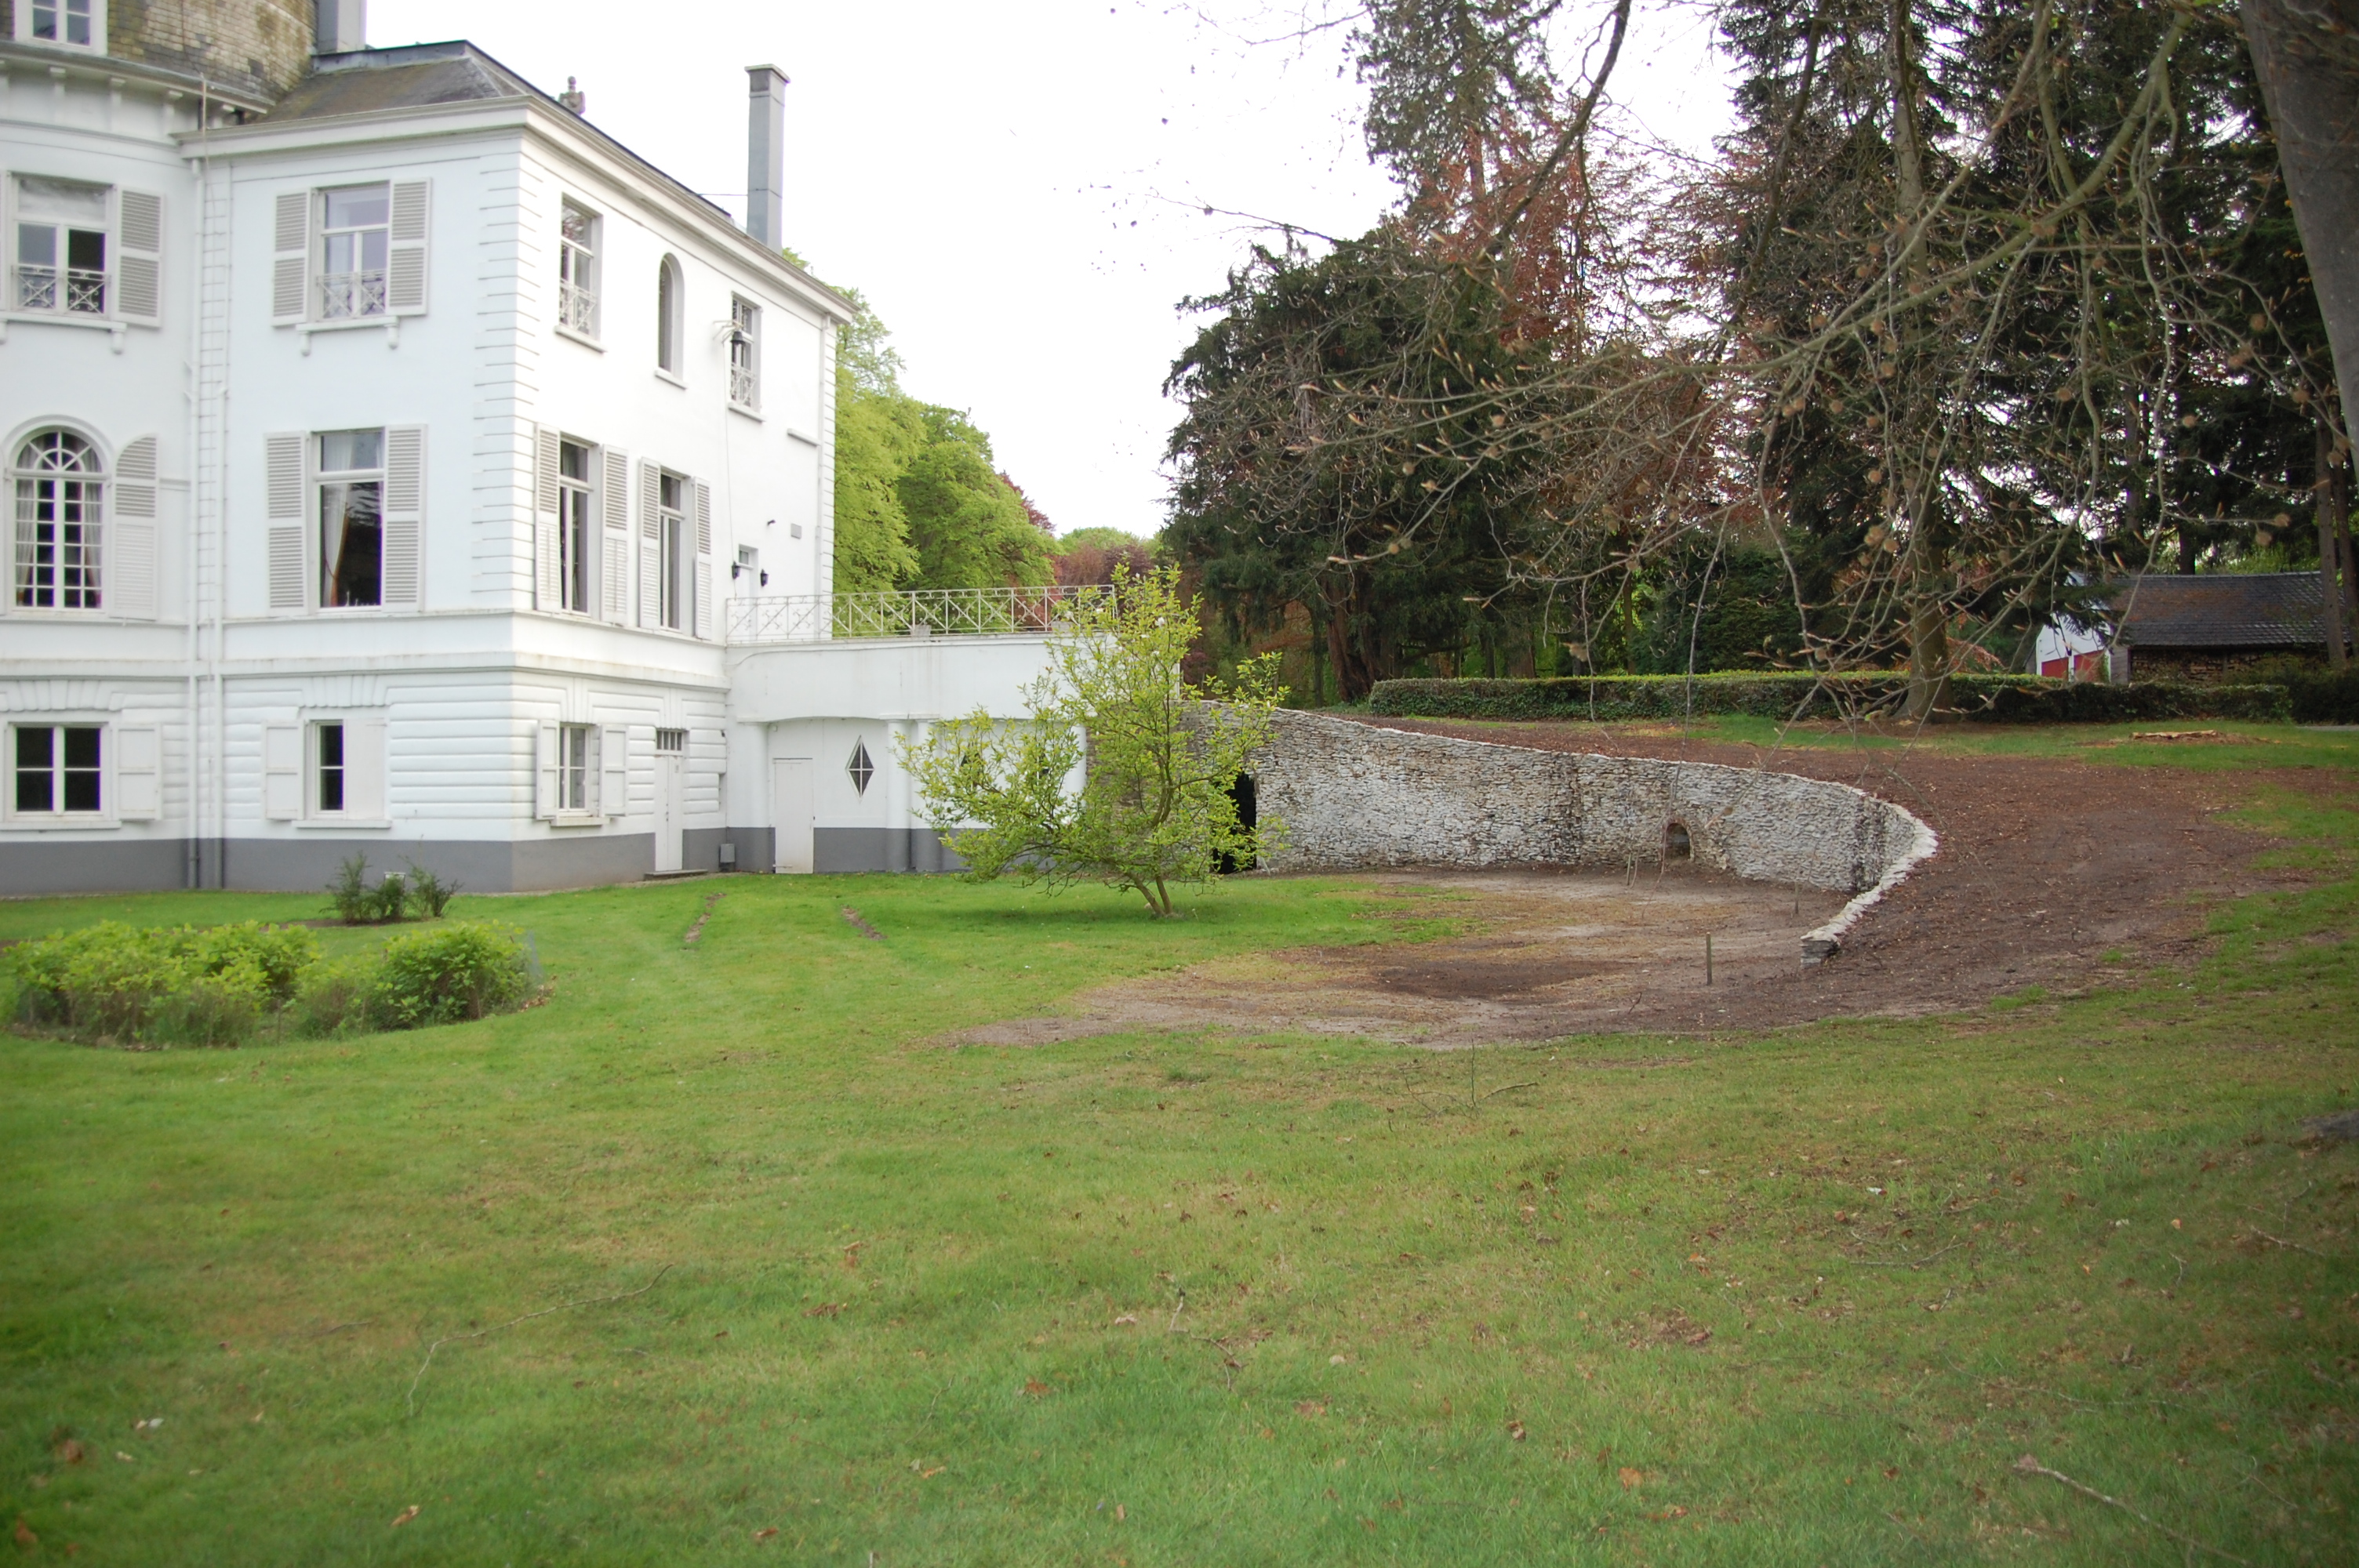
[2221, 610]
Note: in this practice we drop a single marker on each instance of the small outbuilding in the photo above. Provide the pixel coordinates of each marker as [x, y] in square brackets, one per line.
[2215, 626]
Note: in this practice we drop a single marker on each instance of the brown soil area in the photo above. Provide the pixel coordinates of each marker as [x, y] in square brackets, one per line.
[2046, 865]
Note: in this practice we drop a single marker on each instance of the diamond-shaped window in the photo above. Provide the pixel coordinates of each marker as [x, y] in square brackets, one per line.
[860, 769]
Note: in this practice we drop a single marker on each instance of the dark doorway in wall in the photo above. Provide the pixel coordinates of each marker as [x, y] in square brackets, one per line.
[1242, 792]
[1675, 841]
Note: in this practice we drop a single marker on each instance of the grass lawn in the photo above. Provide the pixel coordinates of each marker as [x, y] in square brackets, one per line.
[719, 1257]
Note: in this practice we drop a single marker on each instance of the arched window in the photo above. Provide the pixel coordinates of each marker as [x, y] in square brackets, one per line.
[60, 485]
[670, 305]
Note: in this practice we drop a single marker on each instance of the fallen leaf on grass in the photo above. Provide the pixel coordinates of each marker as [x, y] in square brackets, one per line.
[929, 1475]
[404, 1515]
[1630, 1478]
[1127, 1317]
[70, 1451]
[125, 1457]
[1037, 1389]
[765, 1533]
[1515, 1431]
[1120, 1513]
[1308, 1408]
[825, 1309]
[24, 1536]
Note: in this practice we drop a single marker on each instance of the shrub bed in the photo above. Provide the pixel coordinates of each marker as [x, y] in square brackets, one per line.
[2007, 699]
[117, 984]
[2322, 697]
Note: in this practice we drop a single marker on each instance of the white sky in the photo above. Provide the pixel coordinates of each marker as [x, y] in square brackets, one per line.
[1018, 187]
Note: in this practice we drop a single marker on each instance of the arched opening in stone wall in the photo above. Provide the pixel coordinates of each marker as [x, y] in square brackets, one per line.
[1242, 793]
[1676, 846]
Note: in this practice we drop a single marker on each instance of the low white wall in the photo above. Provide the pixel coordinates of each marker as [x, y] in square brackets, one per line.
[1354, 795]
[894, 679]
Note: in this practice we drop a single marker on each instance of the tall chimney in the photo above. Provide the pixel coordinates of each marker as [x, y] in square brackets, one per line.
[339, 27]
[765, 153]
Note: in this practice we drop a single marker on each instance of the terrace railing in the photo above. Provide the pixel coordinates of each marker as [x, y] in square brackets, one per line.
[928, 613]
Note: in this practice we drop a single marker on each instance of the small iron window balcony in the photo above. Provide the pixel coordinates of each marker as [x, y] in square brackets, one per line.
[344, 296]
[576, 309]
[745, 386]
[85, 291]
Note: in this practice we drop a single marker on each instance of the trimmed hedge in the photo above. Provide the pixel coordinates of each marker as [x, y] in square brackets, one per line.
[2321, 697]
[2004, 699]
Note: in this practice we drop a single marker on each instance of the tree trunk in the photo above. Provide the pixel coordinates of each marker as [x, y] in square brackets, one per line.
[2333, 542]
[1929, 557]
[2306, 53]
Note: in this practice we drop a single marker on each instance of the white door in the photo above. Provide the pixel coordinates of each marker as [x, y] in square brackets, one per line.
[671, 791]
[790, 812]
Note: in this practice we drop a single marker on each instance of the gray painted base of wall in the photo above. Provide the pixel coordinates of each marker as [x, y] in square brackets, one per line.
[308, 864]
[531, 865]
[881, 849]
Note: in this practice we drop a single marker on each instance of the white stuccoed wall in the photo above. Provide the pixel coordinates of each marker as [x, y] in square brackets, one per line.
[1354, 796]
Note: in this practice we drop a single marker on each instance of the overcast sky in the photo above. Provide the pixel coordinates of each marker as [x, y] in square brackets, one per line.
[1020, 187]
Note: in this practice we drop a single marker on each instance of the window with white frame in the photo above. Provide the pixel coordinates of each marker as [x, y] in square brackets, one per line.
[671, 302]
[60, 485]
[672, 514]
[75, 24]
[577, 763]
[57, 770]
[327, 768]
[61, 245]
[350, 489]
[744, 353]
[577, 270]
[577, 535]
[355, 240]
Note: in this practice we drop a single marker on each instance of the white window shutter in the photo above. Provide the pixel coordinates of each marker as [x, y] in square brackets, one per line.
[130, 583]
[703, 523]
[282, 771]
[138, 775]
[283, 509]
[364, 770]
[615, 559]
[548, 575]
[404, 520]
[545, 796]
[290, 270]
[614, 770]
[405, 270]
[138, 256]
[651, 544]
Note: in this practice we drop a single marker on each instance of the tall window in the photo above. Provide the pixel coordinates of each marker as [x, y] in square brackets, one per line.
[576, 536]
[61, 22]
[574, 747]
[61, 246]
[744, 353]
[329, 739]
[577, 270]
[57, 767]
[352, 508]
[672, 515]
[670, 298]
[354, 241]
[60, 496]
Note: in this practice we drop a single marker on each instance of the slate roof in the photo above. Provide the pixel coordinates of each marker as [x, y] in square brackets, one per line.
[2221, 610]
[419, 76]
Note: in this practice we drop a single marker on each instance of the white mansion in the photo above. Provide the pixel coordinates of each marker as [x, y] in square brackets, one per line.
[401, 465]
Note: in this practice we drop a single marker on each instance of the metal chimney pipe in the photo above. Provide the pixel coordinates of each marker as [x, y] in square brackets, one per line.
[765, 155]
[339, 27]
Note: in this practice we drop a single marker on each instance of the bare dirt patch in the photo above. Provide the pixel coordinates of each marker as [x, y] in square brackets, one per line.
[2051, 872]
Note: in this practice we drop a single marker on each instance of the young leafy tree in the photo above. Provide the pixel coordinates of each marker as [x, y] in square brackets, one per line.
[1157, 764]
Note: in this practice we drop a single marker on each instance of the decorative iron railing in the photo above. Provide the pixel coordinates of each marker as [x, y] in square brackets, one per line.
[576, 309]
[745, 386]
[346, 295]
[928, 613]
[85, 289]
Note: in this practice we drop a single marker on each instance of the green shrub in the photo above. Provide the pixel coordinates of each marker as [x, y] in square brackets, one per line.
[168, 986]
[334, 1000]
[2324, 697]
[392, 898]
[355, 900]
[428, 893]
[464, 971]
[2011, 700]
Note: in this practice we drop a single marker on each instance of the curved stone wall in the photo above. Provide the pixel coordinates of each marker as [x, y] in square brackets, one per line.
[1352, 796]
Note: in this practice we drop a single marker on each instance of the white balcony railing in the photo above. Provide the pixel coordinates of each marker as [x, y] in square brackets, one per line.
[346, 295]
[928, 613]
[576, 309]
[85, 290]
[745, 386]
